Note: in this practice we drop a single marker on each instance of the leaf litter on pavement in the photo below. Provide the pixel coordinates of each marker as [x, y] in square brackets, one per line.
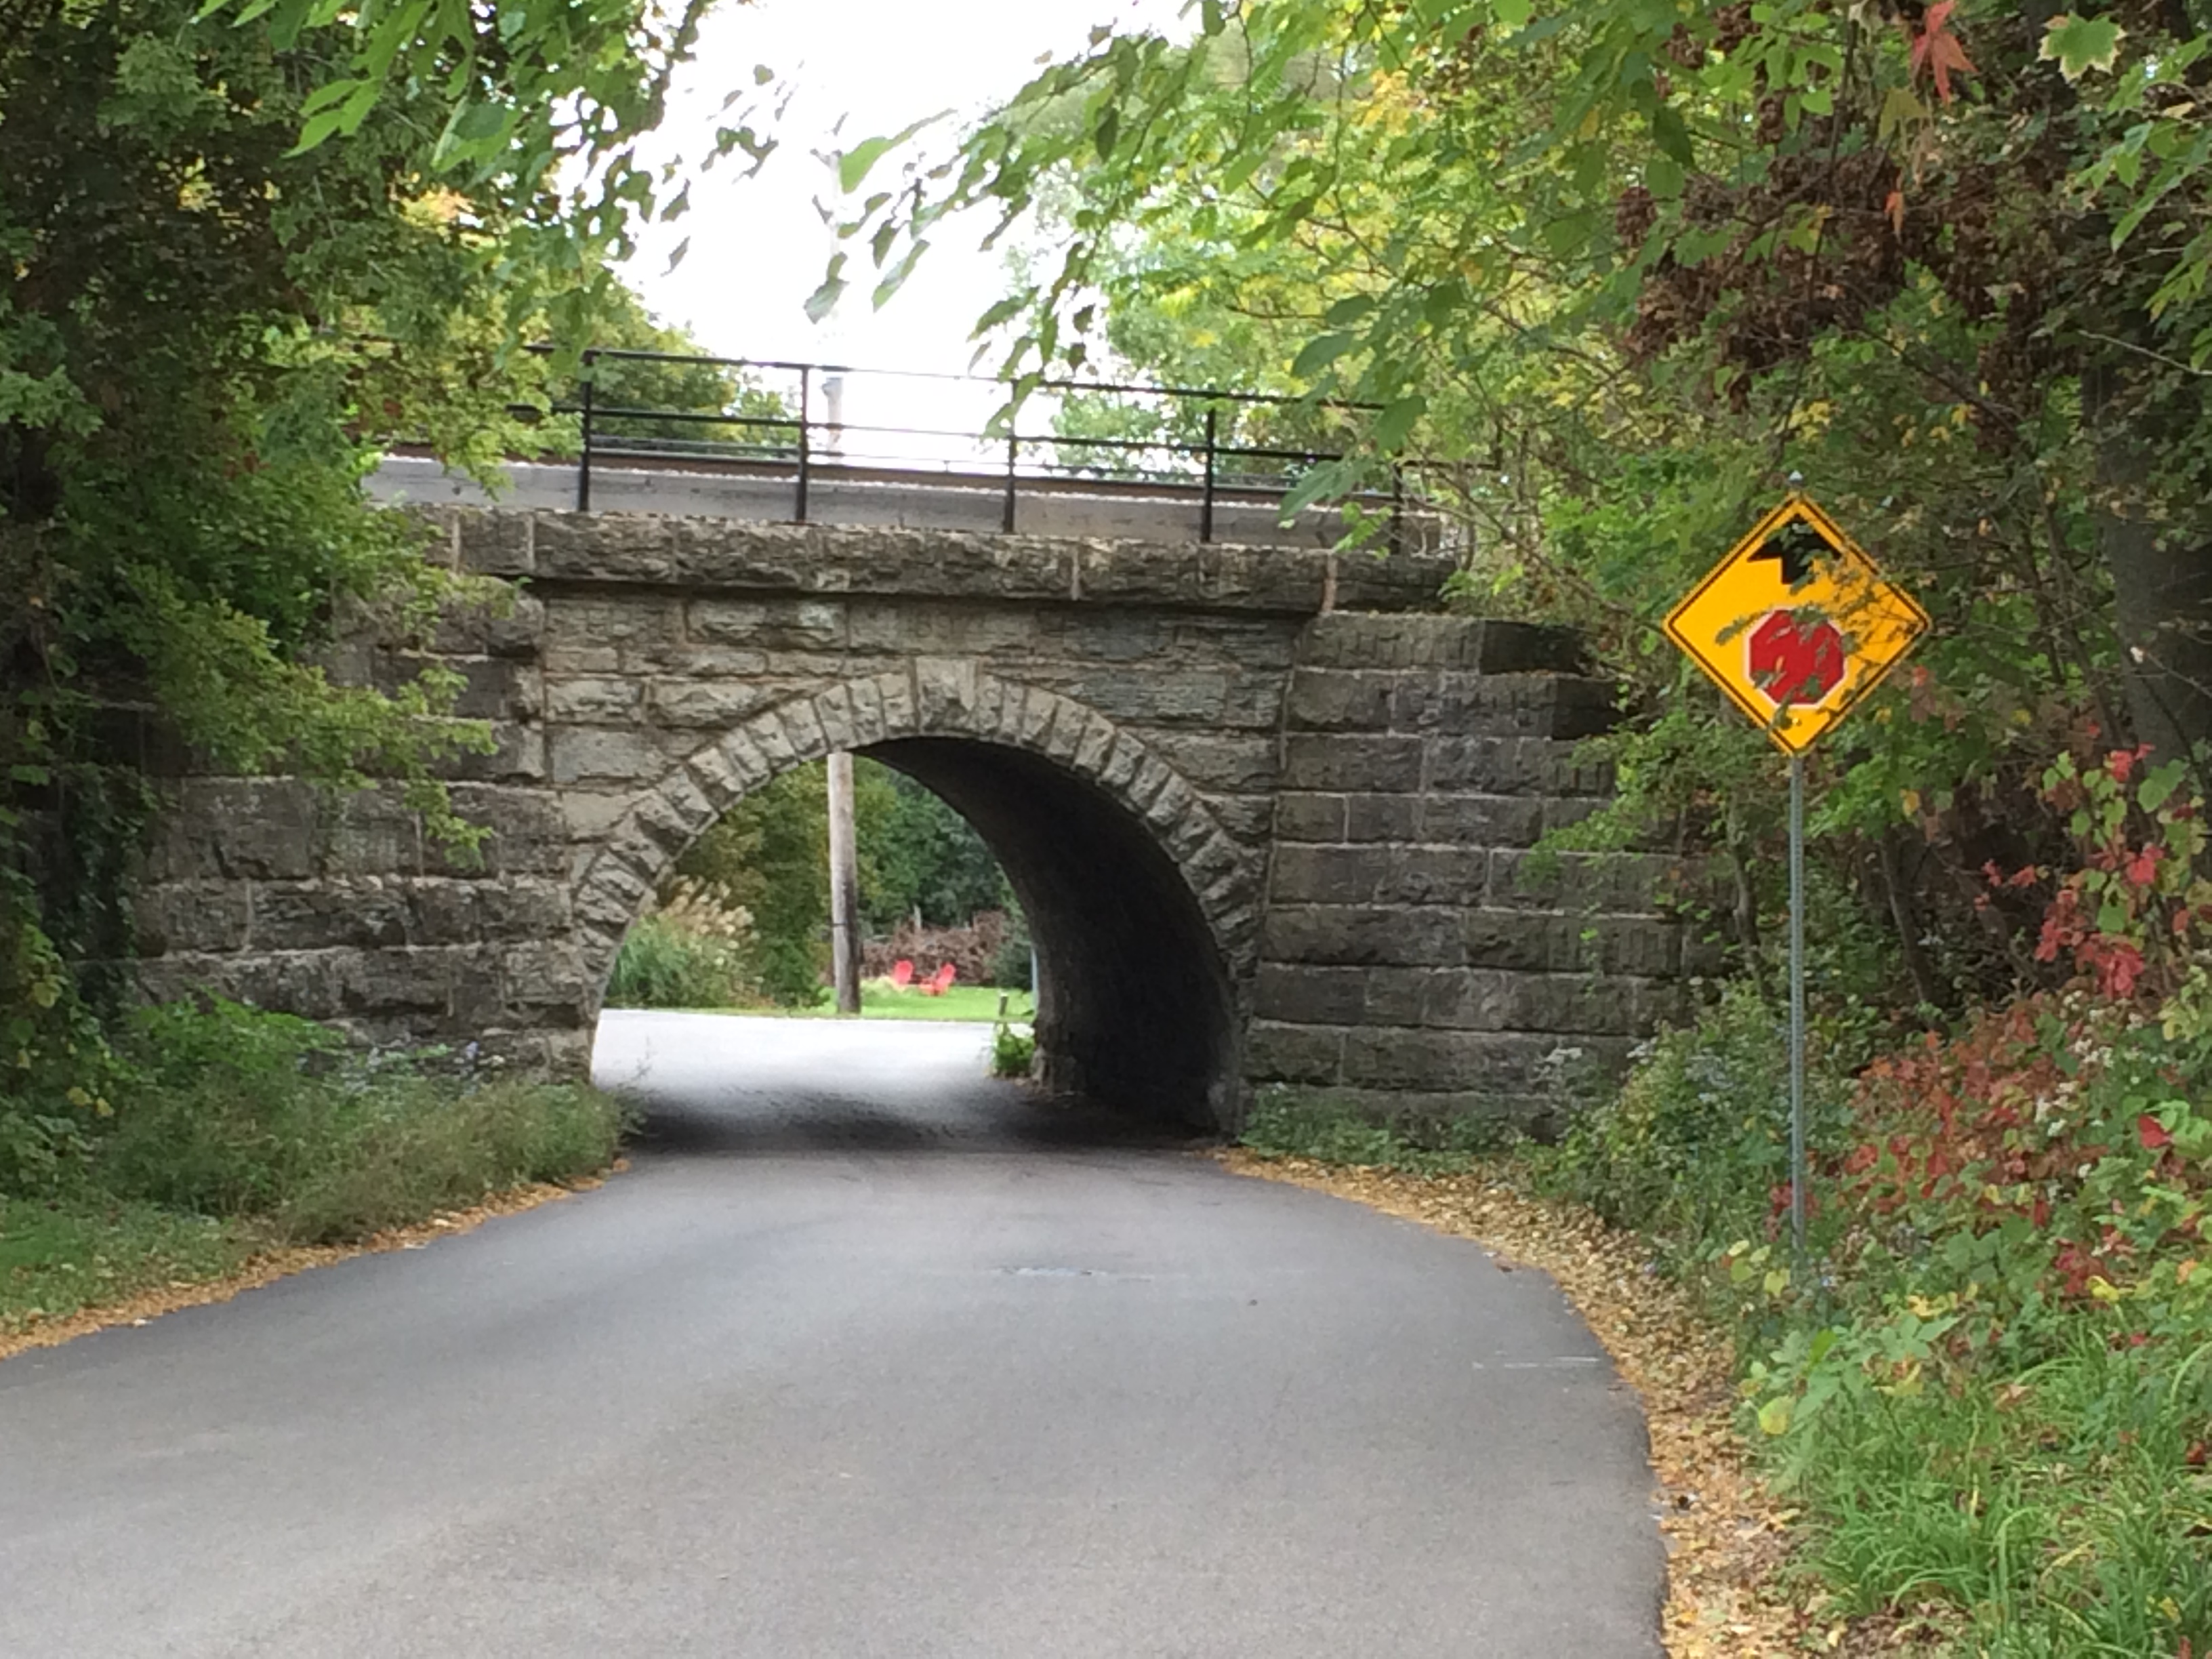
[1728, 1538]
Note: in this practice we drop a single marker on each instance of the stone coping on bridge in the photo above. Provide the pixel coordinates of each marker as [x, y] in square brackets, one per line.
[704, 555]
[852, 497]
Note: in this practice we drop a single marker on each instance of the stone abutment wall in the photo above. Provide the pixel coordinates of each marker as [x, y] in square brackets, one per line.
[1420, 958]
[1268, 828]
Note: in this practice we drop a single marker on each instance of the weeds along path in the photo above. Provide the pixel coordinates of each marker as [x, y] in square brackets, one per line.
[255, 1267]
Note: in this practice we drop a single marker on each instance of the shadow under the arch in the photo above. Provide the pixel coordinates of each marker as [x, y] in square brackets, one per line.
[1133, 994]
[713, 1085]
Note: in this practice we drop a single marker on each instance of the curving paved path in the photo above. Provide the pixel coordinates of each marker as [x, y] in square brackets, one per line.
[863, 1358]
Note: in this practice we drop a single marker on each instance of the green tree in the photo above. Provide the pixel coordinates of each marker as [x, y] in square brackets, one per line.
[919, 856]
[769, 855]
[240, 248]
[1616, 272]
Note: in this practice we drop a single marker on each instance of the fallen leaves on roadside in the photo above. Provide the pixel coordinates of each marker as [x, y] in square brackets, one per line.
[269, 1266]
[1727, 1534]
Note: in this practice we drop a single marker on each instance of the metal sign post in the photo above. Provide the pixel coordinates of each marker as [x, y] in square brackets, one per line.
[1796, 624]
[1797, 1006]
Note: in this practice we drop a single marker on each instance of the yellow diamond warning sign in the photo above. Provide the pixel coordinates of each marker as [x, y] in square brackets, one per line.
[1796, 624]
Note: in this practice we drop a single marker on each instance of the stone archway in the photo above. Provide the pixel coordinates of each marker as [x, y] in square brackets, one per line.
[1146, 910]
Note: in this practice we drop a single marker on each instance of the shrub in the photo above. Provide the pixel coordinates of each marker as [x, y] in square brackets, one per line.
[243, 1114]
[217, 1121]
[1696, 1143]
[1301, 1123]
[1013, 1052]
[1013, 966]
[665, 964]
[973, 949]
[413, 1147]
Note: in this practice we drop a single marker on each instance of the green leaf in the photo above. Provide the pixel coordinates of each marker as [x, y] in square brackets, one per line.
[853, 165]
[318, 128]
[1320, 352]
[1515, 14]
[2078, 44]
[824, 300]
[1330, 478]
[1012, 306]
[895, 278]
[1774, 1416]
[1396, 422]
[1663, 177]
[1899, 109]
[1348, 310]
[2159, 783]
[1670, 134]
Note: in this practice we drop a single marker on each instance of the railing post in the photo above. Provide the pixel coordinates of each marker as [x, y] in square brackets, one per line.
[1206, 507]
[1013, 459]
[583, 454]
[1397, 508]
[805, 416]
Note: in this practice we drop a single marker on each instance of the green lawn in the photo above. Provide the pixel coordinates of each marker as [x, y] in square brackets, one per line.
[969, 1002]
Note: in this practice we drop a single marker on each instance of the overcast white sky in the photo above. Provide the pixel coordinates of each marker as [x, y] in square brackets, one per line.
[758, 247]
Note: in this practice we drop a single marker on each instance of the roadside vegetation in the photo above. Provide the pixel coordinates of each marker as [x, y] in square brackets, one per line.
[247, 247]
[221, 1133]
[1987, 1389]
[743, 919]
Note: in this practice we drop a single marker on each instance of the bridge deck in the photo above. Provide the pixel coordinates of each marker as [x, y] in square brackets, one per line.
[861, 495]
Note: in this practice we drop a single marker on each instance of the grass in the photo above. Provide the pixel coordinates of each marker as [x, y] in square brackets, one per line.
[59, 1257]
[1293, 1123]
[975, 1003]
[232, 1133]
[325, 1161]
[2052, 1514]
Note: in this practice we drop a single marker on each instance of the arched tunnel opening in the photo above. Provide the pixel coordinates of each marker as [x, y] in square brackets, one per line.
[1133, 1012]
[1134, 1007]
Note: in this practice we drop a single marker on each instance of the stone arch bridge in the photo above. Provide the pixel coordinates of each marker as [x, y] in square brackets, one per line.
[1270, 823]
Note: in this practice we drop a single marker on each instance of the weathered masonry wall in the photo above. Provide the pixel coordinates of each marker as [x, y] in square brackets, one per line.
[1266, 829]
[1417, 956]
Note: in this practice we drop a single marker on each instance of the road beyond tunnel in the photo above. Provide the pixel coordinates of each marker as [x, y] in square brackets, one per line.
[864, 1356]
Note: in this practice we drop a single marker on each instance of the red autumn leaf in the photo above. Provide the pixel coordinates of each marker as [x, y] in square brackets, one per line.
[2142, 868]
[2152, 1133]
[1937, 49]
[2118, 967]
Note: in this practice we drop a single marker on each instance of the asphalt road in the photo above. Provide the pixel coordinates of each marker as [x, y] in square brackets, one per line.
[864, 1356]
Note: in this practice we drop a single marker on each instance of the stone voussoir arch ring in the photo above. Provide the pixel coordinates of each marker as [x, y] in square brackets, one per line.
[933, 697]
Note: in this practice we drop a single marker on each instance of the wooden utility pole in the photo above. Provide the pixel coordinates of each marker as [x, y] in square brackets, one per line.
[844, 888]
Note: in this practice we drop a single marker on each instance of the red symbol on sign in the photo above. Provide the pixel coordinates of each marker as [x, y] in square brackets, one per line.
[1796, 662]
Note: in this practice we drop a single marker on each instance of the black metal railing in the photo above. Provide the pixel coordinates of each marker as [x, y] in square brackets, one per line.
[785, 419]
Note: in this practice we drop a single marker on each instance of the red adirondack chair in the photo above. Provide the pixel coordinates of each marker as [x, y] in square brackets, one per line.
[902, 973]
[940, 981]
